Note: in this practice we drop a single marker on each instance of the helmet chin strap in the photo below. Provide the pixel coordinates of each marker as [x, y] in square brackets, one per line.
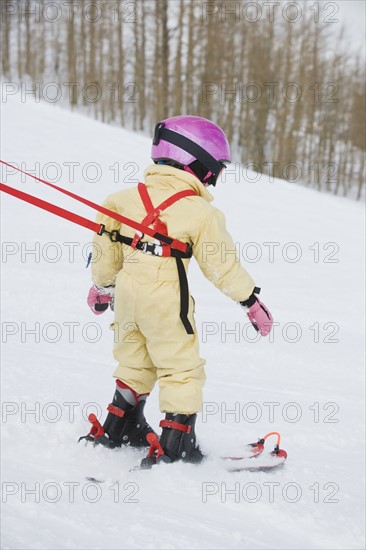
[204, 182]
[188, 169]
[204, 178]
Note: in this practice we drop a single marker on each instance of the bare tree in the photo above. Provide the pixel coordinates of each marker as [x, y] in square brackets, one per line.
[186, 56]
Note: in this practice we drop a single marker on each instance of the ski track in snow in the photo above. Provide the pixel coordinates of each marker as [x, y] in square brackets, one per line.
[166, 507]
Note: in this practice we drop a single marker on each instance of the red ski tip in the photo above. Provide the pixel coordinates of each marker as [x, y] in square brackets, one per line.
[281, 453]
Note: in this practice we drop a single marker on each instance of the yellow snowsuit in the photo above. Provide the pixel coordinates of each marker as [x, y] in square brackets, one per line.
[150, 341]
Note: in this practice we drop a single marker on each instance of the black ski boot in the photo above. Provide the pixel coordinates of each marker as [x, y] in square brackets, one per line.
[125, 423]
[177, 441]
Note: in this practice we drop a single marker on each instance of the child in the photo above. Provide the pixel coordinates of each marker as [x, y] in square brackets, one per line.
[144, 279]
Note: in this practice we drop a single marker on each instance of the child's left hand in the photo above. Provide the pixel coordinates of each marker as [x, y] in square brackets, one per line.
[259, 315]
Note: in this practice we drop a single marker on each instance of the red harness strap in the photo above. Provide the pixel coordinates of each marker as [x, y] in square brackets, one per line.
[98, 228]
[49, 207]
[152, 217]
[169, 247]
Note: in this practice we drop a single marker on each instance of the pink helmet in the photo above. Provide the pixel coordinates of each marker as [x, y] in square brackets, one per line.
[192, 143]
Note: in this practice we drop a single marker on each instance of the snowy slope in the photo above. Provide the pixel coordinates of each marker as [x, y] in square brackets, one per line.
[56, 364]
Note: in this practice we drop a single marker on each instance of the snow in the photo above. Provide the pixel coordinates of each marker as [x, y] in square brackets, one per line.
[305, 381]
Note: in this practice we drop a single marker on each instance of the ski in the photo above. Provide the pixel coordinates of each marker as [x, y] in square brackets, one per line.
[254, 460]
[266, 462]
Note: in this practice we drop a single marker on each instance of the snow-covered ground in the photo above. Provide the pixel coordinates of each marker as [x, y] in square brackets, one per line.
[305, 381]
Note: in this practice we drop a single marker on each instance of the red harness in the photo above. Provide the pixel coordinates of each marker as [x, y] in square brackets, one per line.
[152, 219]
[167, 247]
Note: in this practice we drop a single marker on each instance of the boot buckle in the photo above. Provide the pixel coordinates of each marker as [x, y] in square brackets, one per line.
[155, 450]
[115, 410]
[175, 426]
[96, 431]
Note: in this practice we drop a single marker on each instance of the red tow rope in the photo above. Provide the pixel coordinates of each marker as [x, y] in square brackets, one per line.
[49, 207]
[75, 218]
[175, 248]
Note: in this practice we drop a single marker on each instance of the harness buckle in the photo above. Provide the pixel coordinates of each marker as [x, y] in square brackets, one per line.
[152, 248]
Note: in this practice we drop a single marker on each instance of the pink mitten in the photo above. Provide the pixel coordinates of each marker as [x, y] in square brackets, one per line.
[99, 298]
[258, 314]
[260, 317]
